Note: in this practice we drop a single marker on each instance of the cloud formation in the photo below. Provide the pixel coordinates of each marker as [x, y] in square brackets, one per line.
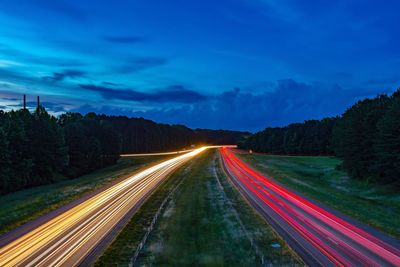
[171, 94]
[212, 46]
[288, 101]
[285, 102]
[60, 76]
[140, 63]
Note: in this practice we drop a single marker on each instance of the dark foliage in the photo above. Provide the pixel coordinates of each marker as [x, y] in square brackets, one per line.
[141, 135]
[311, 137]
[36, 148]
[355, 135]
[33, 149]
[92, 142]
[366, 137]
[387, 143]
[219, 137]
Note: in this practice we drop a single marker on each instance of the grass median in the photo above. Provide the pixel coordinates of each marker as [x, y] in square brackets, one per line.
[22, 206]
[208, 223]
[318, 178]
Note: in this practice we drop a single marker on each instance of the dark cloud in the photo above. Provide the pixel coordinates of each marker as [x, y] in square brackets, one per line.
[21, 79]
[142, 63]
[26, 83]
[110, 84]
[10, 96]
[60, 76]
[289, 101]
[174, 94]
[124, 39]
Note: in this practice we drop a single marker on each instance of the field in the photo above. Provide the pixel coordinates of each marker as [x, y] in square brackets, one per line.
[22, 206]
[208, 223]
[318, 178]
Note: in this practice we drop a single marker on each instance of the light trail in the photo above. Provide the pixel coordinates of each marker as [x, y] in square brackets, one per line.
[68, 238]
[321, 235]
[171, 152]
[157, 154]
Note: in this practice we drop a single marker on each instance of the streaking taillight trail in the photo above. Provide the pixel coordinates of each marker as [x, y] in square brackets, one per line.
[343, 243]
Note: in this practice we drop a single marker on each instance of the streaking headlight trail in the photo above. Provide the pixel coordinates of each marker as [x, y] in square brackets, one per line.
[66, 239]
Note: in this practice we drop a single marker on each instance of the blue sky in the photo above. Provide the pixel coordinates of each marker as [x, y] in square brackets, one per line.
[213, 64]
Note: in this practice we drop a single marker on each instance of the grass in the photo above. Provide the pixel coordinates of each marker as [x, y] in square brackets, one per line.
[201, 225]
[318, 178]
[123, 247]
[22, 206]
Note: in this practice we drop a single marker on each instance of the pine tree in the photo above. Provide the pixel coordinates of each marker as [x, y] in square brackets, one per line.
[388, 143]
[5, 167]
[48, 150]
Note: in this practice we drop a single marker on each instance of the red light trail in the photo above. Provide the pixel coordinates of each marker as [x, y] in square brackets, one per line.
[321, 235]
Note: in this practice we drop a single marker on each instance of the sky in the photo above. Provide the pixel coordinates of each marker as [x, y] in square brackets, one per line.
[226, 64]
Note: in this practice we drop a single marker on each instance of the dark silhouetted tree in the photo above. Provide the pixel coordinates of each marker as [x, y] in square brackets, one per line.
[387, 145]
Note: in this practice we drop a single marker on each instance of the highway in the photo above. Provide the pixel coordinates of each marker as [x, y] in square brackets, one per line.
[157, 154]
[68, 238]
[171, 152]
[320, 237]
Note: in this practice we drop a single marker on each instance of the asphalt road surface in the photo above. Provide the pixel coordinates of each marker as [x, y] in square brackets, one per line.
[319, 236]
[69, 237]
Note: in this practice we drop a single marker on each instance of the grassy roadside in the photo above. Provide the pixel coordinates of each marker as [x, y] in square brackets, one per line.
[317, 178]
[22, 206]
[123, 247]
[208, 223]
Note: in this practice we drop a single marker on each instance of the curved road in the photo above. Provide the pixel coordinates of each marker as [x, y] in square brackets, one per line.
[320, 237]
[68, 238]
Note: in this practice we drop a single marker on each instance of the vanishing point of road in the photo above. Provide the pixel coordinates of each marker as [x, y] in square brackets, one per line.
[318, 235]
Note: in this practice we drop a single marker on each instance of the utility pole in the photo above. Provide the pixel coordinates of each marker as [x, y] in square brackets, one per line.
[24, 102]
[38, 101]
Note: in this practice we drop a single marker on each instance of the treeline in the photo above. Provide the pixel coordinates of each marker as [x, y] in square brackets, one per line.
[366, 137]
[220, 137]
[37, 148]
[139, 135]
[312, 137]
[91, 142]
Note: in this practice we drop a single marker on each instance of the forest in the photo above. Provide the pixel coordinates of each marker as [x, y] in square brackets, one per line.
[312, 137]
[37, 148]
[366, 137]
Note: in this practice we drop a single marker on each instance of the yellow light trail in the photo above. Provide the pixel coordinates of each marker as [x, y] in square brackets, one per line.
[66, 239]
[157, 154]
